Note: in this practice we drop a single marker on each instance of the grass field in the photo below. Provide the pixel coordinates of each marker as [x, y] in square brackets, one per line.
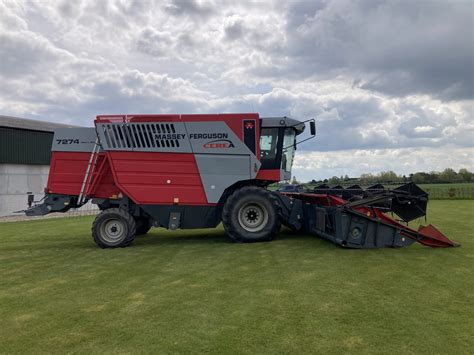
[193, 292]
[461, 191]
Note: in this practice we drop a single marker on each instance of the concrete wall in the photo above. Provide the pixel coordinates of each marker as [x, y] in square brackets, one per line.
[16, 180]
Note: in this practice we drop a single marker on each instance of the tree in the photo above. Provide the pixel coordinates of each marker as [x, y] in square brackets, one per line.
[367, 178]
[334, 181]
[465, 175]
[448, 175]
[388, 176]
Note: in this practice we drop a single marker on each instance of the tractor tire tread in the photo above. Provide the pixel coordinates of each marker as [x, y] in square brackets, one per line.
[131, 228]
[232, 230]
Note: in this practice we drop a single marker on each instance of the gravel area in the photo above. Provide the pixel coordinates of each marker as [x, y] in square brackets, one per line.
[22, 217]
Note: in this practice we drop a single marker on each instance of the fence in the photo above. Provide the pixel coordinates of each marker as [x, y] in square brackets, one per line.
[444, 192]
[88, 209]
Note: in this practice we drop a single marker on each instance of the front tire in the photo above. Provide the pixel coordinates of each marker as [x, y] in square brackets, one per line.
[113, 228]
[250, 214]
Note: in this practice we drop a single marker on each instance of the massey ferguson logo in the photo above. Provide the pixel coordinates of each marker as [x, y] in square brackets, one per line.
[220, 143]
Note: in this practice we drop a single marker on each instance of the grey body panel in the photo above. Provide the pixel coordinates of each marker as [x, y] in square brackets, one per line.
[220, 167]
[203, 133]
[218, 172]
[74, 139]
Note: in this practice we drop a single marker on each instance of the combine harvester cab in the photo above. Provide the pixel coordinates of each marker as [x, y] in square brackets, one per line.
[196, 171]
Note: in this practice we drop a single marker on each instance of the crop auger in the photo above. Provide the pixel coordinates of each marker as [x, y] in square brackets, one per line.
[196, 171]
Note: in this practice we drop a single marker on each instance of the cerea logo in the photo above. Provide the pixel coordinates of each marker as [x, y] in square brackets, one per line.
[220, 140]
[219, 143]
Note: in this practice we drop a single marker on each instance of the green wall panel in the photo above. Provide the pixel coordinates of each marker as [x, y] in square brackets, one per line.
[19, 146]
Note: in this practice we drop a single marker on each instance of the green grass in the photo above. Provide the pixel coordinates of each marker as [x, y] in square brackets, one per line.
[193, 292]
[459, 191]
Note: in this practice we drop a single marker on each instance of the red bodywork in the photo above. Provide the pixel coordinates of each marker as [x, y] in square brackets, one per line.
[145, 176]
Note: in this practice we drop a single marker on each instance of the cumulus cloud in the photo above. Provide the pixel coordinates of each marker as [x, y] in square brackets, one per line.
[385, 80]
[354, 162]
[189, 8]
[396, 47]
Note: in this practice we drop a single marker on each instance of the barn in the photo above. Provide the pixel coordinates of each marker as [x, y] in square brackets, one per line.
[25, 151]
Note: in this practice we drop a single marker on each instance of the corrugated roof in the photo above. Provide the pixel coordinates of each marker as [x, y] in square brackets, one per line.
[32, 125]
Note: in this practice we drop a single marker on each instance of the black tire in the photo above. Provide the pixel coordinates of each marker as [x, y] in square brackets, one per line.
[113, 228]
[143, 225]
[250, 215]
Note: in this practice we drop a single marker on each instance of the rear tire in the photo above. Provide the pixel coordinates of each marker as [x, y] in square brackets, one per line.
[113, 228]
[250, 215]
[143, 225]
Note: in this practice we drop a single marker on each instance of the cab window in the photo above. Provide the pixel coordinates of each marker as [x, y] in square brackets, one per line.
[269, 147]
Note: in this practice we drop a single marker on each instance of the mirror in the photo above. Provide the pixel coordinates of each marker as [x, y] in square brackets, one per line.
[312, 128]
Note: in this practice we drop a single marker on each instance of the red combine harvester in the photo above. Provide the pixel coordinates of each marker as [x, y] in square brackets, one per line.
[196, 171]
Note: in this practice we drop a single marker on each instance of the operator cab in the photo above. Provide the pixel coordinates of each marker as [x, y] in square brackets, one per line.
[278, 143]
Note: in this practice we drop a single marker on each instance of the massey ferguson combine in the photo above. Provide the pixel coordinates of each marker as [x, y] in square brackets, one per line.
[196, 171]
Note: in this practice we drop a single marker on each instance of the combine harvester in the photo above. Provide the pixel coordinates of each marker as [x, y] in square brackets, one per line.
[196, 171]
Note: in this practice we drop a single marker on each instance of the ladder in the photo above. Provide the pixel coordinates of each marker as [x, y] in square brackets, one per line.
[89, 173]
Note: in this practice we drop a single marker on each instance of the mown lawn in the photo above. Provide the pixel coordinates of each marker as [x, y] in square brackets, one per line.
[193, 292]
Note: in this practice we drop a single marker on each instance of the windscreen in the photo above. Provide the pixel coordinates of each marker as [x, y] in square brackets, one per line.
[288, 149]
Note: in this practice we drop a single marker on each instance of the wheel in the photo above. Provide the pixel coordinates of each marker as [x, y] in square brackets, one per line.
[143, 225]
[113, 228]
[250, 214]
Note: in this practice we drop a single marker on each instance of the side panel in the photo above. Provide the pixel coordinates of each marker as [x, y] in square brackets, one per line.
[190, 217]
[71, 151]
[218, 172]
[74, 139]
[66, 172]
[158, 178]
[269, 175]
[188, 162]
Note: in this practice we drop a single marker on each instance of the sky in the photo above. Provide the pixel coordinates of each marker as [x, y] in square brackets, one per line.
[390, 83]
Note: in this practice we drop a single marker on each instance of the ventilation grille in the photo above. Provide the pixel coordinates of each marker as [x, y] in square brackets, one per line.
[139, 135]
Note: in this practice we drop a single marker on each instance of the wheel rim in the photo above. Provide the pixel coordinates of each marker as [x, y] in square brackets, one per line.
[112, 230]
[253, 217]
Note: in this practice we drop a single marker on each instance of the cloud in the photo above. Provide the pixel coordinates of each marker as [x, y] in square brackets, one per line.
[189, 8]
[33, 52]
[397, 48]
[379, 77]
[233, 27]
[322, 165]
[154, 43]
